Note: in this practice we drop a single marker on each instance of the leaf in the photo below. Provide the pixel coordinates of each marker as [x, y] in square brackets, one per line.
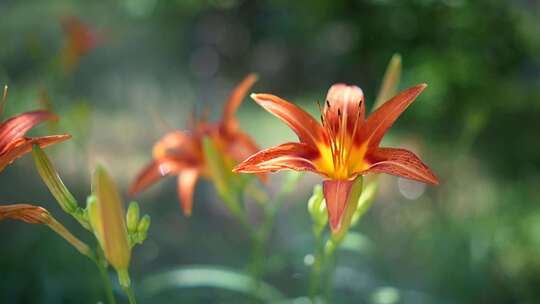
[205, 276]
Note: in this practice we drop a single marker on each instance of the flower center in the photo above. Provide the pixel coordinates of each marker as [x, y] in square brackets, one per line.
[341, 157]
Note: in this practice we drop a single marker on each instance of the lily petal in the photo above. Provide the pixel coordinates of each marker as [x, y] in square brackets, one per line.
[336, 194]
[294, 156]
[401, 162]
[22, 146]
[235, 99]
[241, 146]
[155, 171]
[176, 144]
[186, 187]
[17, 126]
[309, 131]
[25, 212]
[382, 119]
[347, 100]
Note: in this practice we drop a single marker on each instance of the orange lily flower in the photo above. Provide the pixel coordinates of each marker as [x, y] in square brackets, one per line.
[80, 39]
[344, 146]
[14, 143]
[182, 153]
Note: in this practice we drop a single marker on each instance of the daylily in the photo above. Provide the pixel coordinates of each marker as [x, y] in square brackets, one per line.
[14, 143]
[79, 40]
[344, 146]
[183, 153]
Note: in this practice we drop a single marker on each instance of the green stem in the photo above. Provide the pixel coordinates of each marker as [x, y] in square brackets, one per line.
[100, 264]
[329, 268]
[257, 259]
[317, 267]
[131, 295]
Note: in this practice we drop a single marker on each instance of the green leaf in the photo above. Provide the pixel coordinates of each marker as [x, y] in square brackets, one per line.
[203, 276]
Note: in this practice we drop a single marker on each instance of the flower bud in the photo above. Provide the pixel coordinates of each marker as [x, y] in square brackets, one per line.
[132, 217]
[144, 224]
[53, 181]
[106, 214]
[390, 81]
[366, 199]
[317, 209]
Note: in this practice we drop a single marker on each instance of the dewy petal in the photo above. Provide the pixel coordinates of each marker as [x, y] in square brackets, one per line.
[235, 99]
[176, 143]
[24, 145]
[186, 187]
[309, 131]
[155, 171]
[17, 126]
[294, 156]
[382, 119]
[349, 100]
[400, 162]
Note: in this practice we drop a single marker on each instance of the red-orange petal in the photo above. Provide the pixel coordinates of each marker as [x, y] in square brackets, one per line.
[240, 146]
[177, 144]
[17, 126]
[382, 119]
[294, 156]
[186, 187]
[25, 212]
[155, 171]
[336, 194]
[309, 131]
[235, 99]
[400, 162]
[22, 146]
[347, 100]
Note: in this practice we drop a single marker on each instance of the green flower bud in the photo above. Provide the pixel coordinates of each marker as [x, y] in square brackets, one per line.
[390, 81]
[317, 209]
[366, 199]
[144, 224]
[53, 181]
[132, 217]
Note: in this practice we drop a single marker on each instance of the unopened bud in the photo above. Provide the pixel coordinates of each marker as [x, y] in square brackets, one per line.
[132, 217]
[53, 181]
[108, 220]
[317, 209]
[144, 224]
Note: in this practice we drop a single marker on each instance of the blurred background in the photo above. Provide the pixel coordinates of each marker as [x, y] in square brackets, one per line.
[121, 74]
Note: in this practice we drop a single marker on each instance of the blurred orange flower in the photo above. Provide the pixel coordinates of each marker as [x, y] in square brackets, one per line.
[79, 40]
[182, 153]
[14, 143]
[345, 146]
